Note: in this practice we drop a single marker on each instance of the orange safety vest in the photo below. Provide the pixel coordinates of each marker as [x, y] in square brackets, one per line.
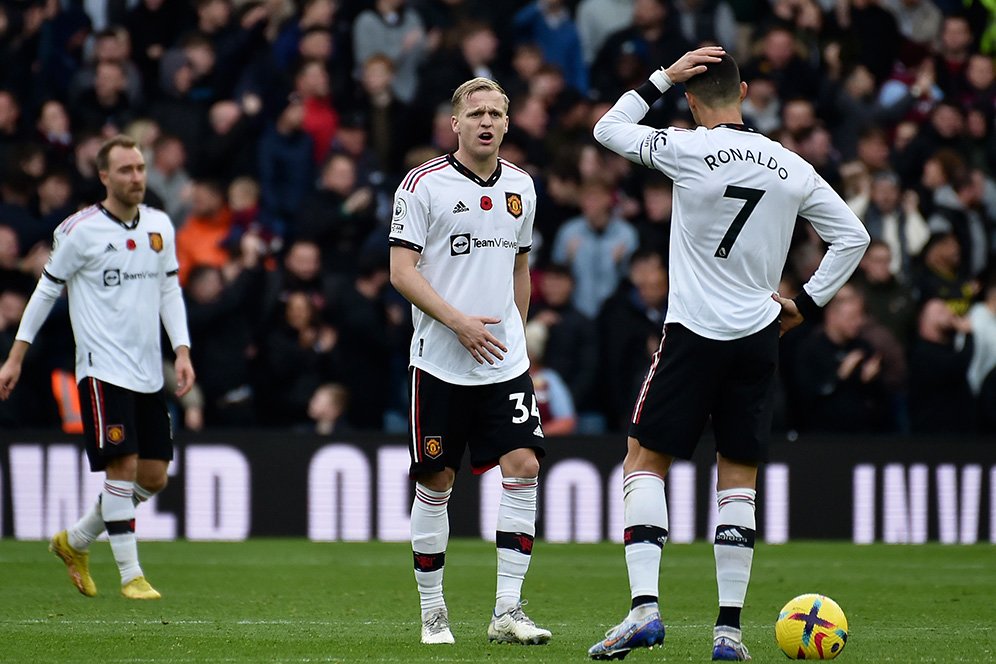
[67, 396]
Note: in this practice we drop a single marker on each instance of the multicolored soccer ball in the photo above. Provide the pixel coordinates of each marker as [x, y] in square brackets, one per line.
[811, 627]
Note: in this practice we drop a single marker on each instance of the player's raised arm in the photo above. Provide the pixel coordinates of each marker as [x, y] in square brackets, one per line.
[618, 129]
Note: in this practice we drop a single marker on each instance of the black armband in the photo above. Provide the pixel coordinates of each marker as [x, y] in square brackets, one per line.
[807, 307]
[649, 93]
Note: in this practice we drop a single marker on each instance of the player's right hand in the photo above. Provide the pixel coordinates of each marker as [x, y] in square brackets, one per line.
[481, 344]
[693, 62]
[10, 372]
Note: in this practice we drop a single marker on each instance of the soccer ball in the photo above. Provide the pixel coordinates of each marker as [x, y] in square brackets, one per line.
[811, 627]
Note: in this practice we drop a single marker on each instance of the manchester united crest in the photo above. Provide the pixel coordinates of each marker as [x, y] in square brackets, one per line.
[115, 433]
[156, 242]
[433, 446]
[514, 204]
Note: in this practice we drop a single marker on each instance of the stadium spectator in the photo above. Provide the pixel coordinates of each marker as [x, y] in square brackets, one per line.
[200, 240]
[571, 347]
[839, 380]
[472, 53]
[297, 354]
[286, 166]
[394, 29]
[940, 274]
[321, 118]
[168, 177]
[706, 22]
[597, 19]
[327, 408]
[228, 147]
[629, 331]
[553, 398]
[778, 60]
[953, 51]
[958, 209]
[153, 26]
[982, 367]
[549, 24]
[383, 117]
[871, 33]
[53, 132]
[762, 107]
[338, 216]
[111, 44]
[105, 106]
[893, 218]
[369, 334]
[596, 245]
[940, 396]
[300, 272]
[918, 21]
[220, 310]
[653, 225]
[54, 199]
[888, 301]
[629, 55]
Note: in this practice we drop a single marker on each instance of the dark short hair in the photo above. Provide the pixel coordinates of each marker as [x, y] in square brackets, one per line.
[719, 84]
[104, 154]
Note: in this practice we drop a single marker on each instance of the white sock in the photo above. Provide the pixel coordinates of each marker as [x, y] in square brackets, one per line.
[87, 529]
[645, 523]
[141, 494]
[514, 538]
[118, 511]
[91, 524]
[430, 534]
[734, 544]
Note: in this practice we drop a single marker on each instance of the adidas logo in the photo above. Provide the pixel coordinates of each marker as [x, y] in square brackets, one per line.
[732, 536]
[538, 431]
[460, 207]
[110, 247]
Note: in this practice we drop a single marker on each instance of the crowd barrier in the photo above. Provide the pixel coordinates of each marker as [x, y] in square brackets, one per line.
[239, 484]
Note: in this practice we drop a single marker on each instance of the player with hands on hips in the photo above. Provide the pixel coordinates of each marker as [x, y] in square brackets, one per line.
[737, 195]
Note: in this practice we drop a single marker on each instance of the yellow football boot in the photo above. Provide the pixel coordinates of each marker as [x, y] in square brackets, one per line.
[139, 588]
[77, 563]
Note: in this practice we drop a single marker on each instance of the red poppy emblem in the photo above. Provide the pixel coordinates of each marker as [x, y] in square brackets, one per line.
[486, 203]
[130, 244]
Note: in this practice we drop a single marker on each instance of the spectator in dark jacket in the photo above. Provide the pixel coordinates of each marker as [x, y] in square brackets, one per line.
[940, 397]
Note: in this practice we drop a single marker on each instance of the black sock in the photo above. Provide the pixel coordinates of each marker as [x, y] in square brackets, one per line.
[729, 616]
[640, 600]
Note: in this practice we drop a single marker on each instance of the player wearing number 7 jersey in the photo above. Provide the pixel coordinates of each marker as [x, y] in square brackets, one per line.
[736, 198]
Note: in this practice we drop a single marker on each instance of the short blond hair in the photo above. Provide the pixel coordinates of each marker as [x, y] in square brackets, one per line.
[462, 93]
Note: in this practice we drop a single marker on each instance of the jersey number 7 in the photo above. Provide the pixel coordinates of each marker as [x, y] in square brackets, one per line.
[750, 198]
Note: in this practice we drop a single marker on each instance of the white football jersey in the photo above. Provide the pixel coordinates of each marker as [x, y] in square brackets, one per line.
[114, 272]
[468, 232]
[737, 194]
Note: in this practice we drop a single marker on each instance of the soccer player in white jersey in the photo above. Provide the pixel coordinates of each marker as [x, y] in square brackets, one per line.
[736, 198]
[117, 259]
[460, 234]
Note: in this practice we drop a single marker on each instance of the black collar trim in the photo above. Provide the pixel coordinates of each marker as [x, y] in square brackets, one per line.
[738, 127]
[471, 175]
[128, 225]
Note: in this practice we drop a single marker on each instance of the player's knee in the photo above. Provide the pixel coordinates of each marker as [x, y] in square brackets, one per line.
[441, 481]
[522, 464]
[154, 484]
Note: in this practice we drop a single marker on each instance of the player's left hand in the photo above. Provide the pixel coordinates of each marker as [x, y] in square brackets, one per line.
[693, 62]
[790, 316]
[184, 374]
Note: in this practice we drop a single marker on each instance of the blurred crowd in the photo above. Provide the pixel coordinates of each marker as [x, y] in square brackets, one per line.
[276, 131]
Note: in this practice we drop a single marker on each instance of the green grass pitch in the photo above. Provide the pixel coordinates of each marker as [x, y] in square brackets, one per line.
[297, 601]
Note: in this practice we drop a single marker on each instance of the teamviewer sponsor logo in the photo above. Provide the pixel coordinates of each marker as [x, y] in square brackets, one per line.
[460, 244]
